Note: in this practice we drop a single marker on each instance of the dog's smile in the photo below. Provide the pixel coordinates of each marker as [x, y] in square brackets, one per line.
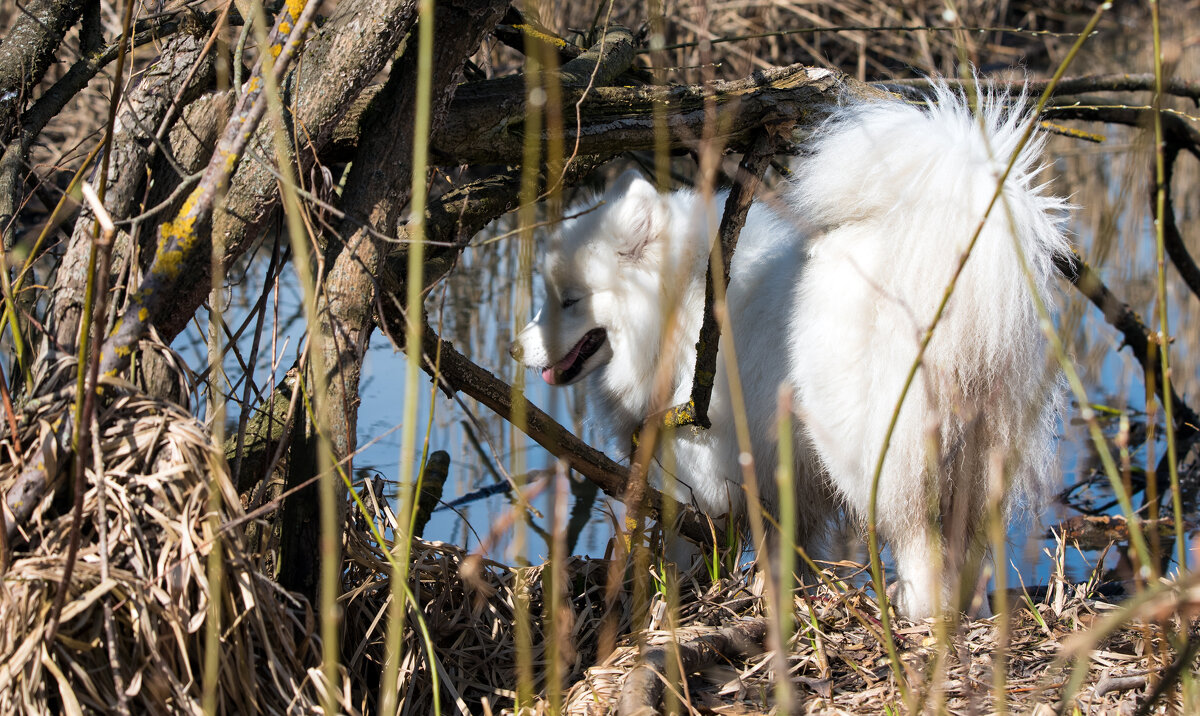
[569, 368]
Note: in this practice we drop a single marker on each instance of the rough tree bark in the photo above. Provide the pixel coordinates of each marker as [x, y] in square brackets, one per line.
[377, 192]
[347, 53]
[138, 120]
[27, 51]
[20, 134]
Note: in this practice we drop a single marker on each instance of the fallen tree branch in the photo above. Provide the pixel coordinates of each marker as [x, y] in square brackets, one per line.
[1111, 683]
[486, 120]
[1069, 85]
[182, 243]
[459, 374]
[1176, 130]
[1137, 336]
[1172, 238]
[643, 687]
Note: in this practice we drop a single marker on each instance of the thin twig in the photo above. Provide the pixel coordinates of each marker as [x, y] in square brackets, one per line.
[737, 206]
[85, 411]
[1068, 85]
[1133, 331]
[459, 373]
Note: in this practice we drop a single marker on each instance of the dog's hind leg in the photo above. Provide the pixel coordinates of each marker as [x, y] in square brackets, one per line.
[936, 571]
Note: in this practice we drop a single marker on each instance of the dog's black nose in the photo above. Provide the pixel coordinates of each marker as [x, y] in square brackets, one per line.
[514, 350]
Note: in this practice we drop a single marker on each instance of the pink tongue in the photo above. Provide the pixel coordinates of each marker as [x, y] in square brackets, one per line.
[550, 375]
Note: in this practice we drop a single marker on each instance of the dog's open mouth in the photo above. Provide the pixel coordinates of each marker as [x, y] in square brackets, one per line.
[567, 369]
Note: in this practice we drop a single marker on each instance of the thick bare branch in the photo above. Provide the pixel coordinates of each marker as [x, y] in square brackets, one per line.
[336, 65]
[486, 120]
[27, 51]
[1133, 330]
[182, 242]
[142, 111]
[377, 191]
[459, 374]
[487, 124]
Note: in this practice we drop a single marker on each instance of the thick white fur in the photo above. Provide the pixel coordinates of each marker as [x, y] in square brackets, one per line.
[894, 194]
[637, 264]
[833, 300]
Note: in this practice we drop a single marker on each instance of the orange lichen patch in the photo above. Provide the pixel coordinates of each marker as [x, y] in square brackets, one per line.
[294, 8]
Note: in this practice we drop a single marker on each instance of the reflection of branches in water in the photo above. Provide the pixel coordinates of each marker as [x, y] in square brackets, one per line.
[1091, 493]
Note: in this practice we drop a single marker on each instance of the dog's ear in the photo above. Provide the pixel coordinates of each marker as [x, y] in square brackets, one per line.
[638, 215]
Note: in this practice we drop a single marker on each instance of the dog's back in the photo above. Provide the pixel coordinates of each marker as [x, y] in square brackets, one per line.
[895, 194]
[884, 204]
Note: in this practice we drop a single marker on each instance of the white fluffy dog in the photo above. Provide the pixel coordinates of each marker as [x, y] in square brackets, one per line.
[833, 297]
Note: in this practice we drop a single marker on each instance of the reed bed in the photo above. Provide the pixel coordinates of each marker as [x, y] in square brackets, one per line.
[836, 662]
[129, 637]
[131, 629]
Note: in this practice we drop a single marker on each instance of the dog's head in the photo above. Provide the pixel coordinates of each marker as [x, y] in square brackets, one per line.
[602, 274]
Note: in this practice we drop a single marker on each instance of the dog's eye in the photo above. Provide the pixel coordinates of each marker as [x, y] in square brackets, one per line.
[568, 302]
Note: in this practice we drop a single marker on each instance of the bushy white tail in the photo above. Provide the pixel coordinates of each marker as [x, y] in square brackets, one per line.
[893, 194]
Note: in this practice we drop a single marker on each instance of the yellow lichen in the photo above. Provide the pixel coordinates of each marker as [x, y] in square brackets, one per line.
[538, 34]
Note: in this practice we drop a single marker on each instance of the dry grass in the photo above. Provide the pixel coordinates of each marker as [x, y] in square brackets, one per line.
[131, 635]
[469, 608]
[132, 632]
[836, 663]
